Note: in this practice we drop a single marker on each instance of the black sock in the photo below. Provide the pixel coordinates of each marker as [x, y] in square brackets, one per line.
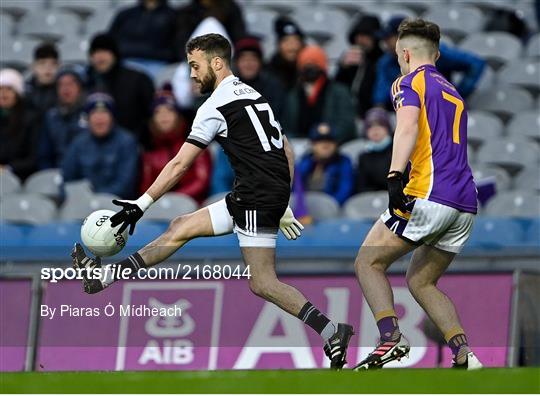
[316, 320]
[134, 262]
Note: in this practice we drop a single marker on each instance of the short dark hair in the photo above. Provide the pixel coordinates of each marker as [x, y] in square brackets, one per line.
[420, 28]
[46, 51]
[212, 44]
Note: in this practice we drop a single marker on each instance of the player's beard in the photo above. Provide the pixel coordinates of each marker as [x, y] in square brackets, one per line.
[208, 82]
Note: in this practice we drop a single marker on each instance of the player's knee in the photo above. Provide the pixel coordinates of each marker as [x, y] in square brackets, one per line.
[416, 283]
[365, 262]
[179, 228]
[260, 288]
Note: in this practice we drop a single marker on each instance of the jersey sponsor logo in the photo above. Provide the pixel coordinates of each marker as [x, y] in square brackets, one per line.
[398, 98]
[243, 91]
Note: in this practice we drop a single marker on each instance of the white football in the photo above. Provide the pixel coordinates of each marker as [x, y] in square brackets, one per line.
[100, 237]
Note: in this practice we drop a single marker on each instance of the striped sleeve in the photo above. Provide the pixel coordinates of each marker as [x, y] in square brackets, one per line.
[403, 94]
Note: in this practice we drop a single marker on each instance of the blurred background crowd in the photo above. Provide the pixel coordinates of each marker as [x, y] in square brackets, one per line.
[96, 95]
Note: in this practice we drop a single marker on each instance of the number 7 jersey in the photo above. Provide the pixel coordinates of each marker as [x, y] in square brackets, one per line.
[242, 122]
[439, 167]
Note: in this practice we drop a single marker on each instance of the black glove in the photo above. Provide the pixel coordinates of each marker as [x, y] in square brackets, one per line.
[396, 197]
[128, 216]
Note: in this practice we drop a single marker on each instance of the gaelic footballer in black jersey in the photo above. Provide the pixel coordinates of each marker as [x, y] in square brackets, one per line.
[243, 123]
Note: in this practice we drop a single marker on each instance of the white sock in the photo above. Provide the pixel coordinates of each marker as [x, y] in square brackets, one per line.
[328, 331]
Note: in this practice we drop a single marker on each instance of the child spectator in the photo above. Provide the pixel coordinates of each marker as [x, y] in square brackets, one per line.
[40, 87]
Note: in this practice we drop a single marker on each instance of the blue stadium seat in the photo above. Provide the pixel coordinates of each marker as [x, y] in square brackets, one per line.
[11, 235]
[496, 233]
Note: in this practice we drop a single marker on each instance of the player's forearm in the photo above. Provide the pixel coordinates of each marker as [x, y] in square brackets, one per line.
[404, 142]
[289, 153]
[169, 177]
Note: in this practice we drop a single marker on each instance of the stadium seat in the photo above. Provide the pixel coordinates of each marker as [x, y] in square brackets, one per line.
[13, 236]
[50, 26]
[368, 205]
[170, 206]
[18, 8]
[98, 22]
[82, 8]
[457, 21]
[47, 182]
[145, 232]
[502, 178]
[214, 198]
[9, 183]
[533, 46]
[495, 232]
[511, 154]
[321, 206]
[503, 101]
[514, 204]
[487, 79]
[351, 7]
[6, 27]
[482, 126]
[17, 53]
[260, 22]
[277, 6]
[522, 72]
[532, 232]
[322, 23]
[525, 124]
[55, 234]
[77, 208]
[300, 147]
[385, 13]
[528, 179]
[27, 209]
[353, 149]
[497, 48]
[74, 50]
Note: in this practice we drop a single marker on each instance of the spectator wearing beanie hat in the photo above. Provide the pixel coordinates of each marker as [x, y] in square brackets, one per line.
[65, 121]
[358, 65]
[168, 133]
[317, 99]
[132, 90]
[40, 87]
[105, 154]
[248, 63]
[374, 162]
[18, 126]
[324, 168]
[290, 39]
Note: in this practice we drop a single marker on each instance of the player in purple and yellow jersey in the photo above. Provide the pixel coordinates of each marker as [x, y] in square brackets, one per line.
[433, 215]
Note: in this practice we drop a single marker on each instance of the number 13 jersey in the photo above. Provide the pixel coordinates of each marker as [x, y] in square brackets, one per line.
[439, 167]
[242, 122]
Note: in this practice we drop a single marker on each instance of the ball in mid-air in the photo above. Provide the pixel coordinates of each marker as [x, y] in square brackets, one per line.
[100, 237]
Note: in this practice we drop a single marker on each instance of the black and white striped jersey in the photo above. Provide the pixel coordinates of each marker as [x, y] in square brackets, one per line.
[243, 123]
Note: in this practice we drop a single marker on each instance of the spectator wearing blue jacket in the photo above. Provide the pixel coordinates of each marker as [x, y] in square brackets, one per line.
[105, 154]
[65, 121]
[324, 169]
[452, 60]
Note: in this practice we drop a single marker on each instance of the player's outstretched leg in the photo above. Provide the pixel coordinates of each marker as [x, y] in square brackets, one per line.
[181, 230]
[264, 283]
[380, 249]
[427, 265]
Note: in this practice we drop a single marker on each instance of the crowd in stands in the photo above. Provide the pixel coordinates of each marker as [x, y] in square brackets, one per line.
[109, 121]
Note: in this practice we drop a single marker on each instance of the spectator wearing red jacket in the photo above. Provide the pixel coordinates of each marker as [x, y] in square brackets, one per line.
[168, 133]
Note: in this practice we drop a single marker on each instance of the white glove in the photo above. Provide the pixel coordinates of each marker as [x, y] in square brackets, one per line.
[289, 226]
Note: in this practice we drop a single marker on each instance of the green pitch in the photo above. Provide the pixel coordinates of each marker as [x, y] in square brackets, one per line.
[519, 380]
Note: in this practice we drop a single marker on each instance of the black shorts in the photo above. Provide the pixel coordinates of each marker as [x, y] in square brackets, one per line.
[252, 220]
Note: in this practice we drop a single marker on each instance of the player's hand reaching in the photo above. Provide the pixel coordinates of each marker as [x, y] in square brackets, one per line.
[396, 196]
[131, 212]
[289, 226]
